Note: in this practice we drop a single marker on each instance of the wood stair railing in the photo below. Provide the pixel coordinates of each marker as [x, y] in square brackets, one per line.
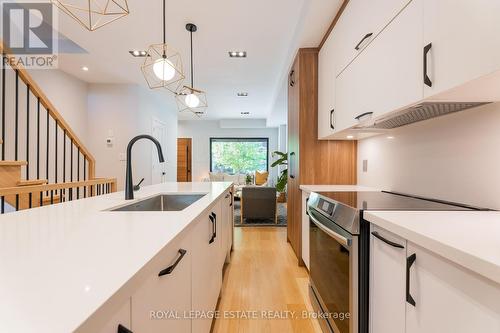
[42, 160]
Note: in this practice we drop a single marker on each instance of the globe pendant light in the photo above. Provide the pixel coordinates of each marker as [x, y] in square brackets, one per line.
[189, 98]
[93, 14]
[162, 67]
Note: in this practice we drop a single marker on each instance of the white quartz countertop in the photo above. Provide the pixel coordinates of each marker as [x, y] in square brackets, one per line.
[470, 239]
[337, 188]
[60, 263]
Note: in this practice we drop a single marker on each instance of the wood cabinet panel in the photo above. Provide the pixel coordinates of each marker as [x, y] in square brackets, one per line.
[311, 161]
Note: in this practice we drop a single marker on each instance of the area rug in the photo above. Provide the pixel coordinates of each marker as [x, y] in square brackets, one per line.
[259, 222]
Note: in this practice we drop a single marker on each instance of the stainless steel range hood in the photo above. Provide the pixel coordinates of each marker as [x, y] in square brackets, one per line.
[419, 112]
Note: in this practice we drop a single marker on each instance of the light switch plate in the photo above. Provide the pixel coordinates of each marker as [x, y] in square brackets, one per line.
[365, 165]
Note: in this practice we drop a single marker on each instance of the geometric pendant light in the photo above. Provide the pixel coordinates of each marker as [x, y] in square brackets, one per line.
[162, 67]
[93, 14]
[190, 98]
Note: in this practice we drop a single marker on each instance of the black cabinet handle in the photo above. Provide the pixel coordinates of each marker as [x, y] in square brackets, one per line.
[331, 119]
[385, 240]
[292, 78]
[215, 228]
[409, 262]
[212, 239]
[427, 80]
[170, 269]
[123, 329]
[368, 35]
[362, 115]
[307, 201]
[292, 176]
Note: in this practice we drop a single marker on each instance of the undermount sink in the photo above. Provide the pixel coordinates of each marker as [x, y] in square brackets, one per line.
[161, 203]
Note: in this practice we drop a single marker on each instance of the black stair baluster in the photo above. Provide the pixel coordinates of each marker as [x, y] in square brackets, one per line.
[28, 133]
[3, 113]
[2, 205]
[55, 161]
[78, 173]
[48, 148]
[31, 200]
[16, 117]
[71, 164]
[41, 199]
[38, 138]
[64, 156]
[17, 202]
[84, 176]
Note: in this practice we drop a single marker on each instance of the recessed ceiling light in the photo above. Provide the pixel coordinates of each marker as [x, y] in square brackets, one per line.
[242, 94]
[350, 137]
[238, 54]
[390, 137]
[85, 69]
[245, 113]
[138, 53]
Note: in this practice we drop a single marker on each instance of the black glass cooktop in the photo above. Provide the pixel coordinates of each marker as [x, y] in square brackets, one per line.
[392, 201]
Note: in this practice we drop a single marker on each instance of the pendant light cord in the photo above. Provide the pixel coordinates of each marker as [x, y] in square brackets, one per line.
[192, 70]
[164, 25]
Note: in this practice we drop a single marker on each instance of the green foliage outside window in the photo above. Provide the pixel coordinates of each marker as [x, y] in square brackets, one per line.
[239, 156]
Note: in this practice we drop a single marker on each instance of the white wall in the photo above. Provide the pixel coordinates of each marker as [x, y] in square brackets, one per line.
[122, 112]
[202, 130]
[69, 96]
[456, 158]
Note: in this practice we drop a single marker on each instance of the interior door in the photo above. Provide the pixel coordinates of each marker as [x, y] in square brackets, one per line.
[184, 160]
[159, 170]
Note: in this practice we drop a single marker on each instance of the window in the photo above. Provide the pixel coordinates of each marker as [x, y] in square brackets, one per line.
[239, 155]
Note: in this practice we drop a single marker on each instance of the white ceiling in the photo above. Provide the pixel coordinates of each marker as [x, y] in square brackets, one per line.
[270, 31]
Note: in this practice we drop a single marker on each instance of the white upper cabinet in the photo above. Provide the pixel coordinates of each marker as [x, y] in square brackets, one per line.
[326, 87]
[360, 23]
[387, 75]
[465, 41]
[449, 298]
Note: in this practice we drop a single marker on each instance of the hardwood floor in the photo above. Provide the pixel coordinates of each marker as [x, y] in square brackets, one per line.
[264, 277]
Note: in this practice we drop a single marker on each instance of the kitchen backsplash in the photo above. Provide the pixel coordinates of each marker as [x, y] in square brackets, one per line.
[455, 157]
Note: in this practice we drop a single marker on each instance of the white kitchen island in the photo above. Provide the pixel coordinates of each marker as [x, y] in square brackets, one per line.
[77, 266]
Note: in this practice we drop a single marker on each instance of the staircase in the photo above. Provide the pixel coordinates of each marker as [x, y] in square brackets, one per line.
[42, 161]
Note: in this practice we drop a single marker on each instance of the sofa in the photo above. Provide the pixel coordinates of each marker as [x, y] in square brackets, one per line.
[239, 180]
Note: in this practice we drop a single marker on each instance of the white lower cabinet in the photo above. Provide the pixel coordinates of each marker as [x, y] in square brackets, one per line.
[164, 297]
[206, 271]
[227, 226]
[387, 282]
[413, 290]
[449, 298]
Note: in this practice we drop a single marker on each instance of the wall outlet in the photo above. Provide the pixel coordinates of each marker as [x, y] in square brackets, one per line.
[365, 165]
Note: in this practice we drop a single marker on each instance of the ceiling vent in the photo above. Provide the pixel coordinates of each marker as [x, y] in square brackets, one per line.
[422, 111]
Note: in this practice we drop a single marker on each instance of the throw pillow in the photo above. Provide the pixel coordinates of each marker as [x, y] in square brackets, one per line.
[261, 177]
